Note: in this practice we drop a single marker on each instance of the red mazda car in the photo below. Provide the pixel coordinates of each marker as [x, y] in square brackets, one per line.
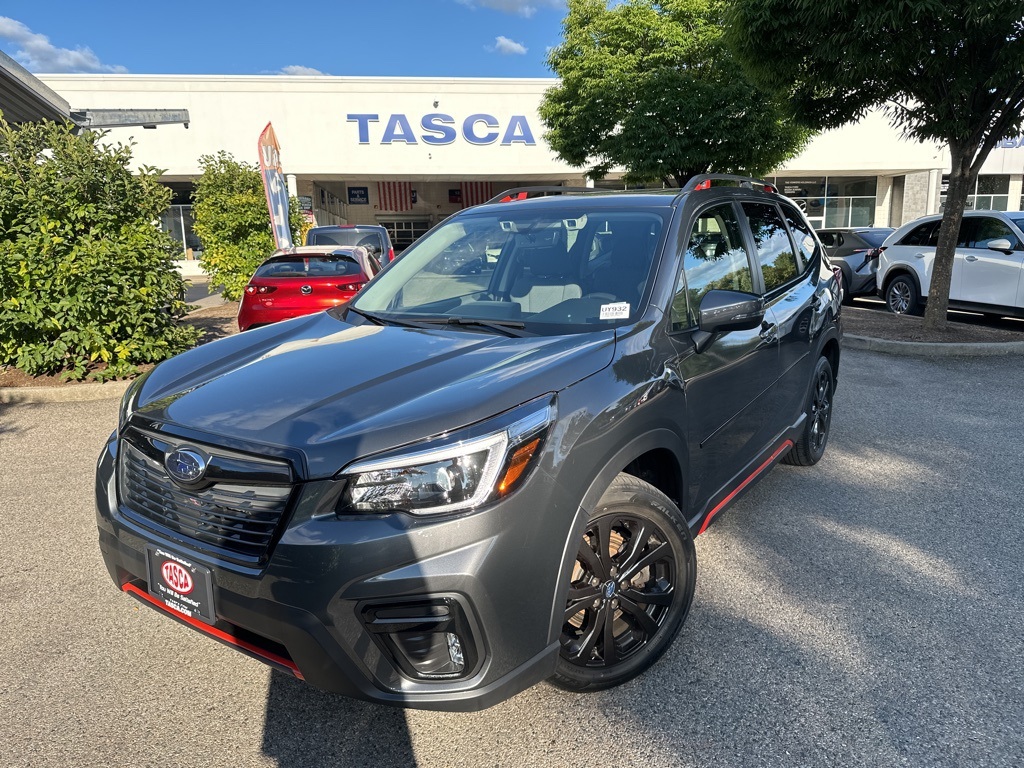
[304, 280]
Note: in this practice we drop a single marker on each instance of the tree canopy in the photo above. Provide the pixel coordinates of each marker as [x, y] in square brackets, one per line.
[944, 71]
[651, 87]
[87, 281]
[232, 220]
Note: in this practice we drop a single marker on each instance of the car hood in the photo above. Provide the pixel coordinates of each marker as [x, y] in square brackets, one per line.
[336, 391]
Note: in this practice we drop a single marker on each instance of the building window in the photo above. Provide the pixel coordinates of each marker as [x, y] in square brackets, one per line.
[991, 193]
[405, 232]
[177, 222]
[833, 201]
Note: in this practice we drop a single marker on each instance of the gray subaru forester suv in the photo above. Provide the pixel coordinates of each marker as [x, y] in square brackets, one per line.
[487, 469]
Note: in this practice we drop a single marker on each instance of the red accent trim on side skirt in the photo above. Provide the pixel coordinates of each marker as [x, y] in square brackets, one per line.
[744, 484]
[224, 637]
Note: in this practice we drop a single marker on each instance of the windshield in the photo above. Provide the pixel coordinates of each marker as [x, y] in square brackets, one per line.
[1017, 219]
[874, 237]
[371, 240]
[329, 265]
[548, 271]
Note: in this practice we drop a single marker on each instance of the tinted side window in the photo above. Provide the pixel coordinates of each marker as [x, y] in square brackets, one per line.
[715, 259]
[805, 243]
[925, 235]
[828, 239]
[774, 249]
[988, 229]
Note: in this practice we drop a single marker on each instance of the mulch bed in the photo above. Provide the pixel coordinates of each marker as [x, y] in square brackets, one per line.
[858, 319]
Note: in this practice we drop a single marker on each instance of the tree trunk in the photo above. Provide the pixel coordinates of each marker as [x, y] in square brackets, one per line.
[961, 181]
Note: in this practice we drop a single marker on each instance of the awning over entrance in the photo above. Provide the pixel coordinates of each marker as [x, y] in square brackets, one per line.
[24, 98]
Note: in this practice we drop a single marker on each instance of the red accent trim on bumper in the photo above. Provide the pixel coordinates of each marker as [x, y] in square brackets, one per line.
[224, 637]
[768, 462]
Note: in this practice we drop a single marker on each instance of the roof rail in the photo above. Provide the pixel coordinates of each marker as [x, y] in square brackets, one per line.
[704, 181]
[522, 193]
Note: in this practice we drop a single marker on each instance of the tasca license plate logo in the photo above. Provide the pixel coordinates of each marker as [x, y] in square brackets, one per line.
[182, 586]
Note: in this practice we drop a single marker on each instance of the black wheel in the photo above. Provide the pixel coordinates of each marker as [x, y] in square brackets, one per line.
[901, 295]
[811, 446]
[630, 589]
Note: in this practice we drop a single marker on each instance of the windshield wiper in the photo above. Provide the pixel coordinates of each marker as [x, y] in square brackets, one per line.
[372, 318]
[511, 328]
[378, 320]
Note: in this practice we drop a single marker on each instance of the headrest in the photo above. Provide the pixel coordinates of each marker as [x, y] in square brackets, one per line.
[548, 261]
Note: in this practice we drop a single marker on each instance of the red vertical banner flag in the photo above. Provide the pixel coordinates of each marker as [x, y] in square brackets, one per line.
[274, 186]
[475, 193]
[394, 195]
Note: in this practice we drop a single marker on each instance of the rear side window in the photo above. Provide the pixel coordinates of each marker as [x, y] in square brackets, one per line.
[926, 235]
[774, 250]
[715, 259]
[805, 244]
[828, 239]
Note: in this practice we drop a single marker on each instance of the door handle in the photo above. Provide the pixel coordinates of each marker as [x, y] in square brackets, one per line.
[769, 332]
[920, 255]
[972, 257]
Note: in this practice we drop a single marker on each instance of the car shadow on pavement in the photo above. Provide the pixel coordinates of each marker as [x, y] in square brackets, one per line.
[309, 727]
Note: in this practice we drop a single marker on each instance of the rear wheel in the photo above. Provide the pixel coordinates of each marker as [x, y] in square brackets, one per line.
[630, 589]
[811, 446]
[901, 295]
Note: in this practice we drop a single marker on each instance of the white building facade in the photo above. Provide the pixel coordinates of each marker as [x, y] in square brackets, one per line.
[407, 152]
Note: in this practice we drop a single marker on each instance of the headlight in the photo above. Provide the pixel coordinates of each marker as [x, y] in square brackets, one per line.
[455, 477]
[128, 401]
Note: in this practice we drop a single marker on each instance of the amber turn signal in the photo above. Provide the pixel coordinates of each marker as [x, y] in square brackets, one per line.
[517, 465]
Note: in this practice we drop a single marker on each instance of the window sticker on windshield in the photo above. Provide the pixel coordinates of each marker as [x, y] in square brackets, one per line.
[619, 311]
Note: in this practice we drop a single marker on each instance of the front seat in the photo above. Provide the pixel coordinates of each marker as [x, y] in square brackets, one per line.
[625, 273]
[546, 280]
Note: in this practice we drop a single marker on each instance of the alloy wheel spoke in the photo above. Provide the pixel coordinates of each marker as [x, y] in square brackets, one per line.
[608, 650]
[656, 554]
[579, 600]
[603, 530]
[590, 560]
[646, 598]
[589, 640]
[639, 616]
[636, 546]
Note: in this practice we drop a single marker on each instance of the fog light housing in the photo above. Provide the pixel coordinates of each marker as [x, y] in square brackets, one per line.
[425, 639]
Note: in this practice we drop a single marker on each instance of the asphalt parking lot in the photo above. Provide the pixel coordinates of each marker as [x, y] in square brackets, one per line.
[867, 611]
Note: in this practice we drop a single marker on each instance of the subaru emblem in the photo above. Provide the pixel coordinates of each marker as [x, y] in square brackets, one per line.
[185, 466]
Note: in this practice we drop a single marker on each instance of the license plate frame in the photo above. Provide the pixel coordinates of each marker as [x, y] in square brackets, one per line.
[181, 584]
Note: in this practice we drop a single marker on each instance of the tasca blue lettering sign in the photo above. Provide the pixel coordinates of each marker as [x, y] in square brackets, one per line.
[1011, 143]
[437, 129]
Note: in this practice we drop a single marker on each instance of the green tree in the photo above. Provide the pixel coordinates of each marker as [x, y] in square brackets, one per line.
[87, 281]
[650, 86]
[231, 218]
[944, 71]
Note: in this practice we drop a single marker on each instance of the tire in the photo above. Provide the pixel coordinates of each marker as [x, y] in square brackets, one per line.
[810, 447]
[901, 296]
[616, 626]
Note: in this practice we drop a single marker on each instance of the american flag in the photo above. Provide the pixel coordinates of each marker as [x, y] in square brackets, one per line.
[394, 195]
[475, 193]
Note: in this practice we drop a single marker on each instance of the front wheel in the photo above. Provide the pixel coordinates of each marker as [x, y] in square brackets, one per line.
[630, 588]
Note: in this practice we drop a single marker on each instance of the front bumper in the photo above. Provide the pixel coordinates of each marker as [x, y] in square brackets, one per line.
[305, 609]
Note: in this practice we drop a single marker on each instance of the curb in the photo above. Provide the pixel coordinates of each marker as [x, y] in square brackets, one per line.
[214, 300]
[934, 349]
[72, 393]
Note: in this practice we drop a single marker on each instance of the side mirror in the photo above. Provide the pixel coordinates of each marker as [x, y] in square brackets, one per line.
[724, 311]
[1002, 244]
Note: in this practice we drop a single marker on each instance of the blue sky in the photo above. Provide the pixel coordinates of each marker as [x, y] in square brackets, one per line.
[401, 38]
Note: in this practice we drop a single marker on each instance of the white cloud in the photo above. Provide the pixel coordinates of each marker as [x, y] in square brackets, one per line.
[524, 8]
[298, 69]
[507, 47]
[36, 53]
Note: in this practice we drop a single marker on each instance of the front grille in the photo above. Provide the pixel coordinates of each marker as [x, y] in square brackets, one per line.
[234, 516]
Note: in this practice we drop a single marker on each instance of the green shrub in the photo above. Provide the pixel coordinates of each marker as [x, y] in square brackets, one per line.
[231, 218]
[86, 277]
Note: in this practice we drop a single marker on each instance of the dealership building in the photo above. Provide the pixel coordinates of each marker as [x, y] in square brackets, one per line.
[407, 152]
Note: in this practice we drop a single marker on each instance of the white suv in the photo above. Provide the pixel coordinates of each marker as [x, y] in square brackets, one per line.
[987, 271]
